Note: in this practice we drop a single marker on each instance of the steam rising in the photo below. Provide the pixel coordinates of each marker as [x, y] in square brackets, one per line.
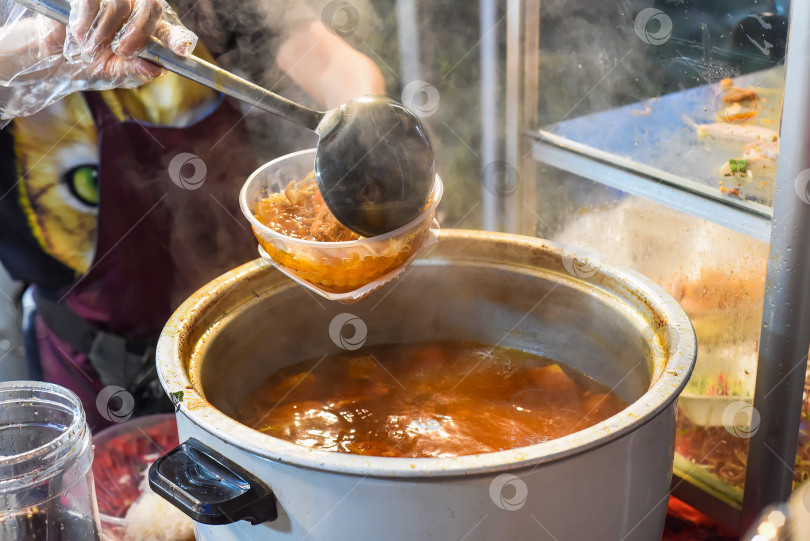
[242, 37]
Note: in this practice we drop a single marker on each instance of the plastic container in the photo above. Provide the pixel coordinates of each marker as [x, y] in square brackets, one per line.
[123, 454]
[733, 412]
[343, 271]
[46, 480]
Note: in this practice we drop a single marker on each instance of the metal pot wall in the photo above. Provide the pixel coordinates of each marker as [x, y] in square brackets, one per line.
[608, 482]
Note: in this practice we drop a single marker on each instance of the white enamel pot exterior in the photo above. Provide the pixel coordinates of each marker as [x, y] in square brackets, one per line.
[608, 482]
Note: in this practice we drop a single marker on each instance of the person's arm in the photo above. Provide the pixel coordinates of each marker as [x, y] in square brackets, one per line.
[326, 67]
[41, 61]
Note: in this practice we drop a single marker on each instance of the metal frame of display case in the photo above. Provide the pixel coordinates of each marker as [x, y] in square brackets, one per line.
[785, 331]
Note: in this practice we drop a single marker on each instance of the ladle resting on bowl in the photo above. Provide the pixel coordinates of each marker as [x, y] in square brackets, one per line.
[374, 164]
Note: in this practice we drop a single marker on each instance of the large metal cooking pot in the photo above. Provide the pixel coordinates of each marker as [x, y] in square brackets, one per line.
[608, 482]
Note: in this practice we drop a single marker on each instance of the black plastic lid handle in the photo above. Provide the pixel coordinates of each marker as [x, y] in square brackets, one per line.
[209, 488]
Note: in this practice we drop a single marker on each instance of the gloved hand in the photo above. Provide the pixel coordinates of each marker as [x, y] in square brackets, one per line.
[41, 61]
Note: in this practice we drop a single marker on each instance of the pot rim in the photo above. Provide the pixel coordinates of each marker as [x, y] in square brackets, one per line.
[663, 392]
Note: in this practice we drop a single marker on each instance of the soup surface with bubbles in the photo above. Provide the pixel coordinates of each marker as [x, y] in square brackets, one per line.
[426, 399]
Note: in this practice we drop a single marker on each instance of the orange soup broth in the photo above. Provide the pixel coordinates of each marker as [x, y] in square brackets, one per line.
[429, 399]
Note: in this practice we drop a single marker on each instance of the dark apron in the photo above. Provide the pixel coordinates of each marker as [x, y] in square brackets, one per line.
[158, 241]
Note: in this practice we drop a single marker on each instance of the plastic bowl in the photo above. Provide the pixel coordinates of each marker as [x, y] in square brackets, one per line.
[123, 452]
[331, 267]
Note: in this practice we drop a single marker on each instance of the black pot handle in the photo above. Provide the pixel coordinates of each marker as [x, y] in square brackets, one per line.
[209, 488]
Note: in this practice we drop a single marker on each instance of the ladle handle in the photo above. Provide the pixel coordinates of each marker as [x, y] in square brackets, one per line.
[199, 70]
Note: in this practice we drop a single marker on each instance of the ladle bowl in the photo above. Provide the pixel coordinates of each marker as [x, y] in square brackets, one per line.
[374, 165]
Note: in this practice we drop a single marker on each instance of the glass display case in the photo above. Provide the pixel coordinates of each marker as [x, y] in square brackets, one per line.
[647, 134]
[688, 98]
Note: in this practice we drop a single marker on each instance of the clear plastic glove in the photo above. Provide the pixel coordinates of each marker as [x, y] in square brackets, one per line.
[41, 61]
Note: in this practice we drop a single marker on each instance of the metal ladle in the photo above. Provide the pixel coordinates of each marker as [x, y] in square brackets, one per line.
[374, 162]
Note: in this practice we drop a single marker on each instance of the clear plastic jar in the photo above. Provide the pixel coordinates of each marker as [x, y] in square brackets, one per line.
[46, 454]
